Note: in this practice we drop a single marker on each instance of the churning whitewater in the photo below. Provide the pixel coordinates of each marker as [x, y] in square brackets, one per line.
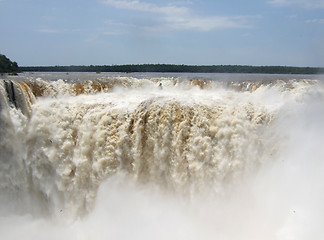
[129, 157]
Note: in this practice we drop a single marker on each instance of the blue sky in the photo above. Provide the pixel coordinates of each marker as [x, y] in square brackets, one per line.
[84, 32]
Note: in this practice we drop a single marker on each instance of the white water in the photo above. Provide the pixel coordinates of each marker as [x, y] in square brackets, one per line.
[195, 160]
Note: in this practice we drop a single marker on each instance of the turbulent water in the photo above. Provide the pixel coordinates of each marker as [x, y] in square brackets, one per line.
[148, 156]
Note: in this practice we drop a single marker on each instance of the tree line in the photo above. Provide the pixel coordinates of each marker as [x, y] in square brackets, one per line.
[177, 68]
[7, 66]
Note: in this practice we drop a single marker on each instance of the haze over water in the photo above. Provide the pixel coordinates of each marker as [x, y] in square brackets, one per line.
[161, 156]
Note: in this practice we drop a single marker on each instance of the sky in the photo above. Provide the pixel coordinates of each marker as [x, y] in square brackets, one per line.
[194, 32]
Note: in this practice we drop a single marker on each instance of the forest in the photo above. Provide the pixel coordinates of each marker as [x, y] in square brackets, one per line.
[178, 68]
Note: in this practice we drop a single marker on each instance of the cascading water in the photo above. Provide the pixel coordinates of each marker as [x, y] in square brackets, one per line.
[197, 158]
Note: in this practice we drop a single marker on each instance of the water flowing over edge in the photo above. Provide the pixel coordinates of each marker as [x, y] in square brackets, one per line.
[61, 141]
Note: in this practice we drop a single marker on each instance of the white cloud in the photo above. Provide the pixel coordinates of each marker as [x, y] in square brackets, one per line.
[206, 23]
[293, 16]
[146, 7]
[301, 3]
[118, 24]
[316, 20]
[113, 33]
[181, 18]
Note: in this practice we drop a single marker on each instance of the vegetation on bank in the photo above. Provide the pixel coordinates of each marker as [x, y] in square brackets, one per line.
[178, 68]
[7, 66]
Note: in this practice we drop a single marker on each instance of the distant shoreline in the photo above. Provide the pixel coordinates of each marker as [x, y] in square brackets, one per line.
[177, 69]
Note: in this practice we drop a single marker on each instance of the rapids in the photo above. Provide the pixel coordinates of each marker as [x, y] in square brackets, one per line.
[120, 157]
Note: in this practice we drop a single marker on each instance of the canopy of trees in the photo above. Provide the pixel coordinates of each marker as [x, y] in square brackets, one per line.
[178, 68]
[6, 66]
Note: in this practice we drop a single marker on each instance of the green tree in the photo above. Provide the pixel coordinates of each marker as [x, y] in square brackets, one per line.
[7, 66]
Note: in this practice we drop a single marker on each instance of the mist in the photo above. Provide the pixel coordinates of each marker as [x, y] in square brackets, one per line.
[253, 166]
